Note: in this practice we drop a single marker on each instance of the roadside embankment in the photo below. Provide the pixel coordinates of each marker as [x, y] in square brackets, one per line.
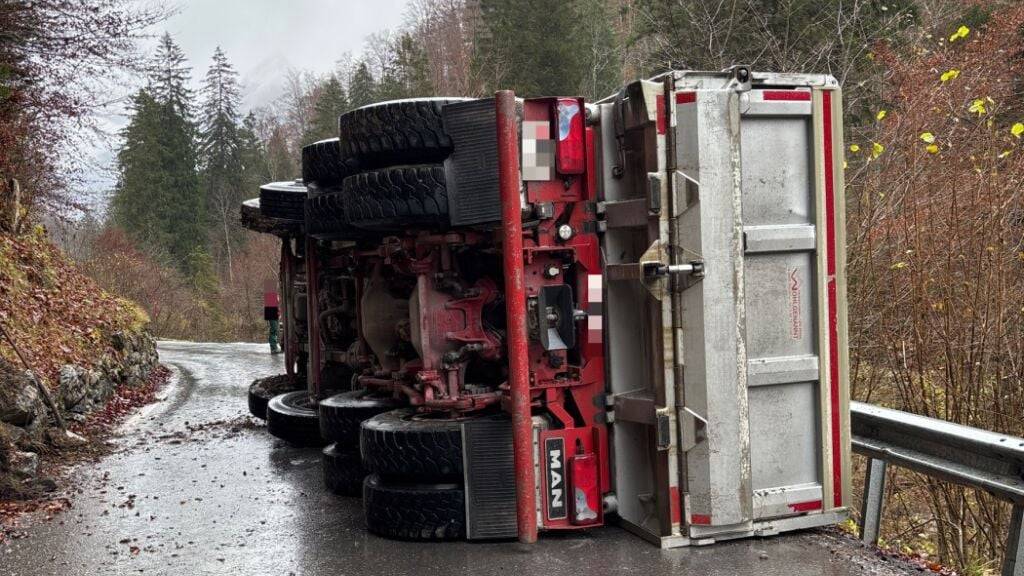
[89, 350]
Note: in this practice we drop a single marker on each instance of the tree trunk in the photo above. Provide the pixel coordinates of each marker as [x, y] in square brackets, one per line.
[10, 205]
[227, 246]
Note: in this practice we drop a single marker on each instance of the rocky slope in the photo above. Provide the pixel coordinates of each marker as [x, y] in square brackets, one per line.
[85, 346]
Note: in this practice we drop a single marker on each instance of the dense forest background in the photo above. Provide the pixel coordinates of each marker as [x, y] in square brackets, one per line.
[934, 117]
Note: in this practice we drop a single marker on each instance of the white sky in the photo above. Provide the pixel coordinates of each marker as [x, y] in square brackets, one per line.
[263, 39]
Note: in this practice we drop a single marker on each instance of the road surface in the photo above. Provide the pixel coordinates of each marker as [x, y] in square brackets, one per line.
[195, 488]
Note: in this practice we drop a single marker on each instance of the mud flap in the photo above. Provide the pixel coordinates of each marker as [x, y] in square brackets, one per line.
[488, 465]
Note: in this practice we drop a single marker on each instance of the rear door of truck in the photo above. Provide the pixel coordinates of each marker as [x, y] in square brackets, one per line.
[729, 405]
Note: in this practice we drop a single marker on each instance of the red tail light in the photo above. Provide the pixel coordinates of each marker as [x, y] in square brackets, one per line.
[569, 149]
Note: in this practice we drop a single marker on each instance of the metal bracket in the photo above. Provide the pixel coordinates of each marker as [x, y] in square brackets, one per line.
[663, 428]
[654, 183]
[694, 429]
[741, 77]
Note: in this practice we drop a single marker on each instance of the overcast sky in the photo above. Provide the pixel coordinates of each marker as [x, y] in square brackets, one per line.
[263, 39]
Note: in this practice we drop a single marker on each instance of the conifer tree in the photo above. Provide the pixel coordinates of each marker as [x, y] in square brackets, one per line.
[220, 154]
[546, 48]
[362, 89]
[157, 198]
[129, 208]
[252, 156]
[170, 76]
[331, 102]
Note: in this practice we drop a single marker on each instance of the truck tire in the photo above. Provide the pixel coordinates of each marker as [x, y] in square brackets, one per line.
[263, 389]
[341, 415]
[414, 511]
[292, 417]
[283, 200]
[391, 199]
[343, 471]
[323, 167]
[326, 218]
[400, 445]
[396, 132]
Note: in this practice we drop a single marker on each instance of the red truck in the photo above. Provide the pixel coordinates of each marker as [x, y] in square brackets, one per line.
[509, 315]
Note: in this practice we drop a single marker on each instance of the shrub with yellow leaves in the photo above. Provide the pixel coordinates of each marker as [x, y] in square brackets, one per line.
[961, 33]
[936, 277]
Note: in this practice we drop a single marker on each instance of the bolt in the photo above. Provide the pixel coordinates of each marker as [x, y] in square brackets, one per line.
[564, 232]
[551, 272]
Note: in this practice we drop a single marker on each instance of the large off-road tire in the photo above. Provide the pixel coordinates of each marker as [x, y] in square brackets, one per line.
[396, 132]
[283, 200]
[398, 197]
[323, 167]
[341, 415]
[326, 219]
[252, 218]
[343, 471]
[402, 444]
[414, 511]
[263, 389]
[293, 417]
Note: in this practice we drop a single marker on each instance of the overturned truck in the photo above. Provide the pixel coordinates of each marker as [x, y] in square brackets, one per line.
[509, 315]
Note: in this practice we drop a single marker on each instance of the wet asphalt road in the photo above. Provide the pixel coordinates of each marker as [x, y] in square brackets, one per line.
[196, 490]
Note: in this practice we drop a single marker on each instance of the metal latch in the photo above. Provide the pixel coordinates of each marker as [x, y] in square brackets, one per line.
[653, 269]
[694, 268]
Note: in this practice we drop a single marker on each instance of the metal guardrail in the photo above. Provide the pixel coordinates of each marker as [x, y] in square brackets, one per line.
[959, 454]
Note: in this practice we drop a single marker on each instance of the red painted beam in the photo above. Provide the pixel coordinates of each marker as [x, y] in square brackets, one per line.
[312, 323]
[287, 280]
[515, 307]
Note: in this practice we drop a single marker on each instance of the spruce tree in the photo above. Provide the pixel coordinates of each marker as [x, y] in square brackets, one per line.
[157, 198]
[331, 102]
[252, 156]
[169, 77]
[220, 154]
[362, 90]
[130, 207]
[547, 48]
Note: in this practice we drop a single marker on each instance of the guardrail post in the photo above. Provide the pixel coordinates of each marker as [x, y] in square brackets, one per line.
[874, 501]
[1015, 545]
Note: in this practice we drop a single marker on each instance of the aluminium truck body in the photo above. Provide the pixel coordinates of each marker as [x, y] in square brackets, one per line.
[729, 393]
